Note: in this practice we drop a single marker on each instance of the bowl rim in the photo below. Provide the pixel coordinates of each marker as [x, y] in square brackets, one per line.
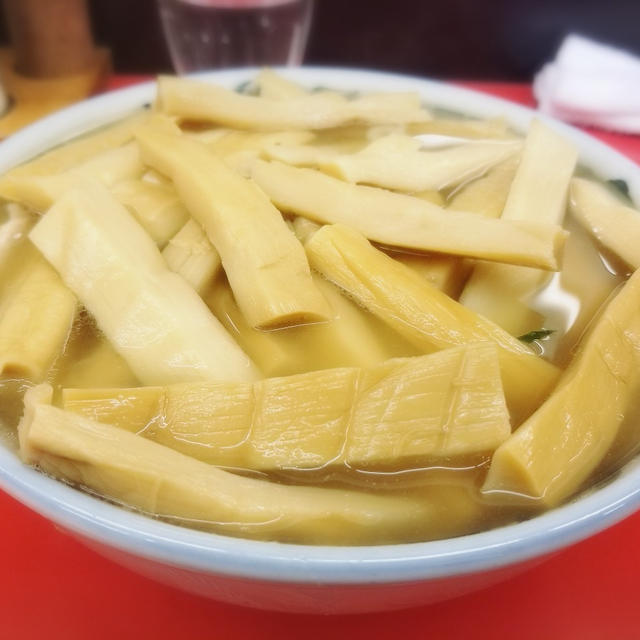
[176, 546]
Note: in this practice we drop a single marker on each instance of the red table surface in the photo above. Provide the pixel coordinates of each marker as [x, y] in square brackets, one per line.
[53, 587]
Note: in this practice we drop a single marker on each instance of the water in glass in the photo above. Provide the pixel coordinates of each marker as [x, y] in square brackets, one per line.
[204, 34]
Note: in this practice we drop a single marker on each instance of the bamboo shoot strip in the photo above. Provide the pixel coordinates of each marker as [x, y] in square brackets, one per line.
[151, 316]
[307, 155]
[443, 272]
[304, 228]
[486, 196]
[36, 316]
[264, 262]
[548, 161]
[39, 192]
[615, 225]
[538, 192]
[229, 142]
[13, 231]
[462, 128]
[191, 255]
[554, 452]
[275, 87]
[131, 470]
[425, 316]
[352, 338]
[391, 163]
[79, 150]
[156, 207]
[394, 415]
[272, 351]
[192, 100]
[400, 220]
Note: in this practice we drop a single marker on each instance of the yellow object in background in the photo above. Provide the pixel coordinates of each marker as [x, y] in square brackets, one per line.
[32, 98]
[52, 62]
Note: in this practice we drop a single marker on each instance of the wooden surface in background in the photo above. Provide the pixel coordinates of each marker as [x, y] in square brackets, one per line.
[34, 98]
[51, 38]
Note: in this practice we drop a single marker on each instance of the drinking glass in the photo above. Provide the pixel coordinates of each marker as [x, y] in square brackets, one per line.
[207, 34]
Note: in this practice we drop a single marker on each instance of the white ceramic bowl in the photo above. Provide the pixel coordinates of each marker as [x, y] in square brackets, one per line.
[301, 578]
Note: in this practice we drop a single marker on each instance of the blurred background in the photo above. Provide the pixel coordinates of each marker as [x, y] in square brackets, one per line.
[495, 39]
[56, 52]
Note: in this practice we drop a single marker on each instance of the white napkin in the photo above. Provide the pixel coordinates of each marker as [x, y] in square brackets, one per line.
[593, 84]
